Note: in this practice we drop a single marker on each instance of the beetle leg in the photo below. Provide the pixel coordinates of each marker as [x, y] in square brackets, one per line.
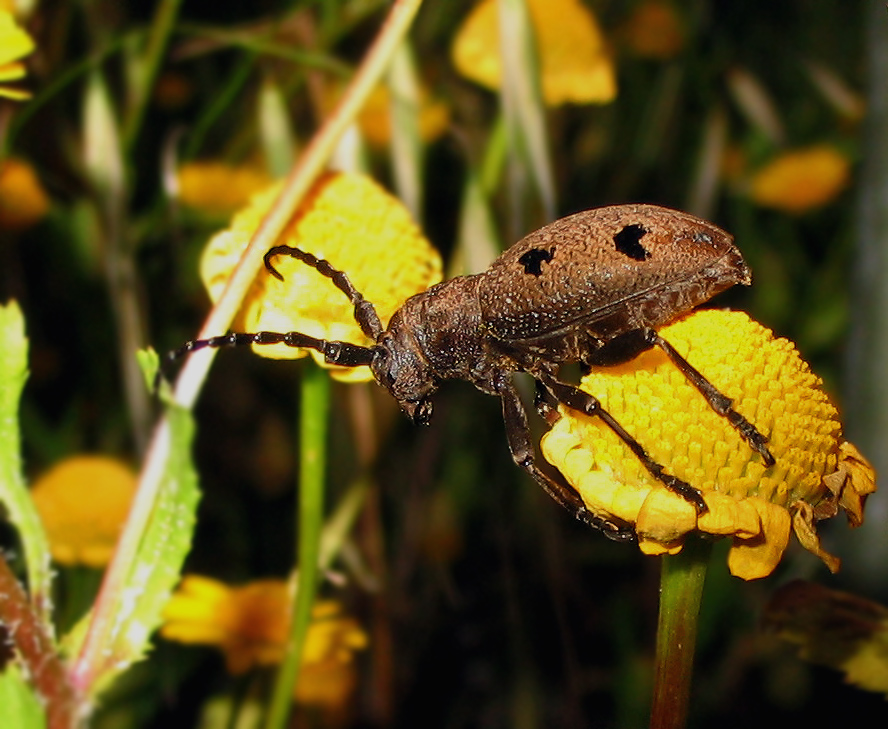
[719, 402]
[521, 448]
[583, 402]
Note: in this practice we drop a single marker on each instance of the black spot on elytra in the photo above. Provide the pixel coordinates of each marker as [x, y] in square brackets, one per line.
[628, 242]
[533, 260]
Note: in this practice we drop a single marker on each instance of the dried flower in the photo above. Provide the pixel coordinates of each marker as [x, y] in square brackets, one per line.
[83, 502]
[817, 471]
[575, 64]
[357, 226]
[654, 30]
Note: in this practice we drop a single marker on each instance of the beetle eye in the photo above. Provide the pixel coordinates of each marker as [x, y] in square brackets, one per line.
[422, 415]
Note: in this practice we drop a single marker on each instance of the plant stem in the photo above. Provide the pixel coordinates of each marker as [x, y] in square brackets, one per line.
[312, 471]
[37, 652]
[681, 588]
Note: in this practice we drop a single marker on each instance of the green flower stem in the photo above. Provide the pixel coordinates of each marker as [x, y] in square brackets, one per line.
[148, 67]
[312, 471]
[681, 587]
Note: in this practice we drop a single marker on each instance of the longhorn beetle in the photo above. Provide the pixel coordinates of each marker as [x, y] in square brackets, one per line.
[591, 288]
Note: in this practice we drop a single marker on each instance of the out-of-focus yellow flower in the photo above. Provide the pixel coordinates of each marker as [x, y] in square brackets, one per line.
[356, 225]
[83, 502]
[375, 119]
[575, 64]
[801, 180]
[15, 44]
[831, 628]
[250, 624]
[23, 201]
[817, 471]
[219, 188]
[654, 30]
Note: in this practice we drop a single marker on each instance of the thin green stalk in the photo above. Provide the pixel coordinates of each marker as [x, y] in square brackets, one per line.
[147, 68]
[681, 588]
[313, 466]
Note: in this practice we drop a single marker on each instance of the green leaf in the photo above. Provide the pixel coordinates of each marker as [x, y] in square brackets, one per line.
[167, 541]
[19, 707]
[131, 606]
[14, 494]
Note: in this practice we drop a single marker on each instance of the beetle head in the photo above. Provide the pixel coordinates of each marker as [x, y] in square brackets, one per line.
[401, 368]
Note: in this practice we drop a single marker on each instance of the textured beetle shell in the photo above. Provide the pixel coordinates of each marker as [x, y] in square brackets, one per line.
[606, 271]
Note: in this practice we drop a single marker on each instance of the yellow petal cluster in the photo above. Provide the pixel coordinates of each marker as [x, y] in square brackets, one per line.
[801, 180]
[361, 229]
[250, 625]
[817, 472]
[216, 187]
[15, 44]
[23, 201]
[83, 502]
[575, 64]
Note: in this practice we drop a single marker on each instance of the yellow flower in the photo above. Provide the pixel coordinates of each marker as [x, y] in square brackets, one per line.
[575, 65]
[250, 625]
[816, 473]
[15, 44]
[219, 188]
[23, 201]
[798, 181]
[375, 117]
[83, 502]
[654, 30]
[357, 226]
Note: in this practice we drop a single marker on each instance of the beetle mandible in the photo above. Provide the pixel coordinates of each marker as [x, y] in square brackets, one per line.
[591, 288]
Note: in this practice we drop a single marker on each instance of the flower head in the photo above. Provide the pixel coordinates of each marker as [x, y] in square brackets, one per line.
[83, 502]
[15, 44]
[801, 180]
[360, 229]
[575, 65]
[250, 624]
[375, 118]
[216, 187]
[23, 201]
[816, 473]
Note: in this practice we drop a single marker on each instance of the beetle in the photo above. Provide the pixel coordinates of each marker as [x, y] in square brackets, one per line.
[591, 288]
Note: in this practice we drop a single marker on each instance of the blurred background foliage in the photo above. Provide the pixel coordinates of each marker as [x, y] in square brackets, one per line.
[482, 603]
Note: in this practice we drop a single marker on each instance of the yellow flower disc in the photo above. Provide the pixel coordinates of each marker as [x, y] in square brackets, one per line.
[816, 471]
[801, 180]
[575, 64]
[359, 228]
[83, 502]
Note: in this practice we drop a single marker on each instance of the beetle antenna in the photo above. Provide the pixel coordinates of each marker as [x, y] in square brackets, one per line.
[365, 312]
[344, 354]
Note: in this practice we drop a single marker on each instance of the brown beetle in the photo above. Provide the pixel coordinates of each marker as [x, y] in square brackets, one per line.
[591, 288]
